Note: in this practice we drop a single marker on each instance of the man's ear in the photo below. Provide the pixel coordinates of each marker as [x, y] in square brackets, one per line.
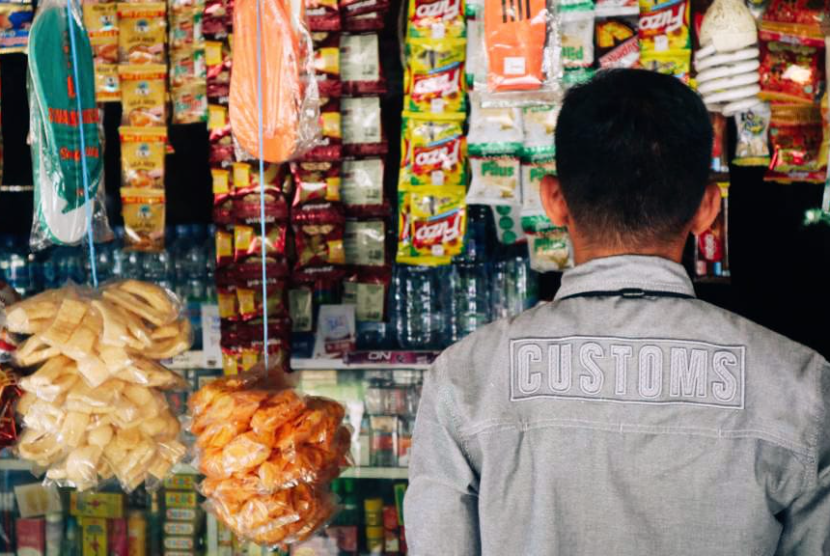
[708, 211]
[554, 202]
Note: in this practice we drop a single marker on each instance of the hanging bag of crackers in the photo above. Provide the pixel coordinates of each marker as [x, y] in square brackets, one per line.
[268, 455]
[93, 406]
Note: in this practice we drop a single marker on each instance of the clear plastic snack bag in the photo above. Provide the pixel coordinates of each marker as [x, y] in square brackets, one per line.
[94, 407]
[290, 100]
[268, 455]
[59, 166]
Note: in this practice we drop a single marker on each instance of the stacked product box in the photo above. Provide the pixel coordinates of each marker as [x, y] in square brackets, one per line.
[183, 518]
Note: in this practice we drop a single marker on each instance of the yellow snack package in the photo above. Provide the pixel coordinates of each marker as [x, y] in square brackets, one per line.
[143, 212]
[677, 63]
[142, 157]
[434, 150]
[101, 22]
[144, 95]
[107, 84]
[435, 79]
[432, 223]
[142, 33]
[436, 19]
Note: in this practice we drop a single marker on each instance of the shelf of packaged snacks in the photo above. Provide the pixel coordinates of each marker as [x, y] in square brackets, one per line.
[370, 360]
[394, 473]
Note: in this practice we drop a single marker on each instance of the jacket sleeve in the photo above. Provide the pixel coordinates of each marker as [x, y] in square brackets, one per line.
[807, 521]
[441, 506]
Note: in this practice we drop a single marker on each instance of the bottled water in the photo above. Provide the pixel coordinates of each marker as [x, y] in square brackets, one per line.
[471, 298]
[417, 308]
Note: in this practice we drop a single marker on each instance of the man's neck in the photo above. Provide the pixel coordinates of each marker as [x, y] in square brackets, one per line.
[585, 252]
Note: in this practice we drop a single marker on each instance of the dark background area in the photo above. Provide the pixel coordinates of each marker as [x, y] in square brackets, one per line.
[780, 268]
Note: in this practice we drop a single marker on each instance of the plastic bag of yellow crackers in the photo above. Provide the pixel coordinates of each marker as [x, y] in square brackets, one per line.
[93, 407]
[268, 455]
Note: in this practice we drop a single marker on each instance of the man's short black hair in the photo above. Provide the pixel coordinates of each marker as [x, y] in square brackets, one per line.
[633, 152]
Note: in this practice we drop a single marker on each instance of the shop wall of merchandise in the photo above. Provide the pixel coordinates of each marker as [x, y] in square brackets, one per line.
[409, 301]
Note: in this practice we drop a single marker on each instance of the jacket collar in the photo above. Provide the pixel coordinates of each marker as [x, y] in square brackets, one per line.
[626, 273]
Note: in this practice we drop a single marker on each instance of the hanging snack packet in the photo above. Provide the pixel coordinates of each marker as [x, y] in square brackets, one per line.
[752, 147]
[189, 104]
[365, 242]
[143, 212]
[107, 84]
[677, 63]
[186, 24]
[250, 301]
[436, 20]
[14, 33]
[218, 64]
[618, 42]
[142, 33]
[796, 134]
[664, 26]
[549, 246]
[318, 230]
[435, 79]
[330, 146]
[432, 224]
[327, 63]
[791, 71]
[712, 247]
[476, 58]
[215, 19]
[221, 185]
[247, 241]
[517, 45]
[577, 23]
[539, 123]
[316, 182]
[363, 133]
[247, 193]
[799, 18]
[361, 187]
[323, 15]
[494, 130]
[224, 246]
[101, 22]
[495, 180]
[536, 164]
[142, 157]
[220, 138]
[352, 8]
[434, 150]
[367, 291]
[373, 21]
[143, 95]
[360, 68]
[187, 67]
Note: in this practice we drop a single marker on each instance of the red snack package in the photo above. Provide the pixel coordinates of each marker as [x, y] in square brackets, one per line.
[361, 188]
[249, 271]
[319, 232]
[351, 8]
[323, 15]
[372, 21]
[360, 67]
[796, 135]
[791, 72]
[218, 63]
[221, 141]
[247, 241]
[246, 192]
[250, 300]
[316, 182]
[215, 21]
[363, 132]
[331, 145]
[327, 63]
[797, 17]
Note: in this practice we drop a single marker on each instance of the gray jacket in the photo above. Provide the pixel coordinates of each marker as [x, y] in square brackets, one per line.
[625, 418]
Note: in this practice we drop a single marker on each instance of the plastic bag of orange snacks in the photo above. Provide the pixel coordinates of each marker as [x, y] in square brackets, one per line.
[268, 455]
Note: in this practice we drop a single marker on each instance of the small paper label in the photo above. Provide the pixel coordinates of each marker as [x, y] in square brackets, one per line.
[437, 177]
[438, 31]
[514, 66]
[437, 105]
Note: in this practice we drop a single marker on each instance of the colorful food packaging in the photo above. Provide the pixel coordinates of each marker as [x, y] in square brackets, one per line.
[550, 247]
[712, 246]
[250, 305]
[799, 18]
[189, 103]
[220, 138]
[218, 63]
[268, 456]
[433, 150]
[143, 212]
[17, 20]
[327, 63]
[318, 231]
[248, 242]
[323, 15]
[143, 95]
[142, 33]
[330, 146]
[435, 80]
[101, 22]
[360, 68]
[431, 19]
[796, 134]
[142, 156]
[677, 63]
[617, 42]
[791, 71]
[536, 164]
[752, 146]
[577, 23]
[362, 128]
[365, 242]
[94, 409]
[361, 187]
[316, 182]
[216, 21]
[432, 223]
[664, 26]
[496, 180]
[515, 41]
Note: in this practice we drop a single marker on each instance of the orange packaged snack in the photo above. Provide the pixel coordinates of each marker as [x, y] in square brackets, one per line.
[268, 454]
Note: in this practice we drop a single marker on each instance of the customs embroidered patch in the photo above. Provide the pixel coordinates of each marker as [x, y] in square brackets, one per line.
[653, 371]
